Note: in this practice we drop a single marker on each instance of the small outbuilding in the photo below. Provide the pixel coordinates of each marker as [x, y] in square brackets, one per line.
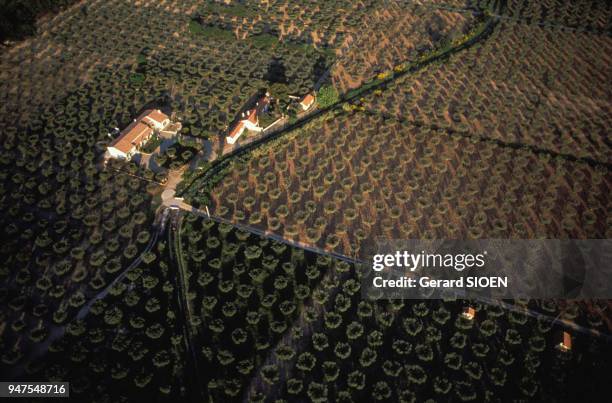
[469, 313]
[307, 101]
[565, 344]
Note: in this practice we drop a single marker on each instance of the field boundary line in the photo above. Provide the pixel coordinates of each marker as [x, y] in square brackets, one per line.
[501, 143]
[174, 241]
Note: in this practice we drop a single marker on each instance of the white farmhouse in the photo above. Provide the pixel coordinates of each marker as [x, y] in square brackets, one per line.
[249, 121]
[133, 137]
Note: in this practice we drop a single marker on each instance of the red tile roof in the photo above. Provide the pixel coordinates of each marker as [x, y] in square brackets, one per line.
[132, 136]
[252, 116]
[237, 129]
[469, 313]
[307, 100]
[136, 132]
[154, 114]
[567, 341]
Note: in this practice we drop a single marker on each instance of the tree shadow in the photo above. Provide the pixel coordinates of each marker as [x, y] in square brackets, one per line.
[319, 68]
[277, 72]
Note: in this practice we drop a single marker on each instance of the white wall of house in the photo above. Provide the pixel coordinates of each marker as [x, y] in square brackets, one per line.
[246, 125]
[306, 106]
[157, 125]
[252, 126]
[115, 153]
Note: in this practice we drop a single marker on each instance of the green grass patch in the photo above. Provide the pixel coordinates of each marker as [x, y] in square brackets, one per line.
[264, 41]
[137, 78]
[141, 59]
[328, 95]
[210, 32]
[267, 119]
[151, 144]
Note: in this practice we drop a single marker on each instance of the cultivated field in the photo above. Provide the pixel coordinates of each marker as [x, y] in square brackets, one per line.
[579, 15]
[280, 323]
[71, 46]
[129, 343]
[208, 75]
[343, 182]
[246, 294]
[322, 23]
[393, 34]
[509, 138]
[519, 119]
[523, 85]
[571, 15]
[69, 224]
